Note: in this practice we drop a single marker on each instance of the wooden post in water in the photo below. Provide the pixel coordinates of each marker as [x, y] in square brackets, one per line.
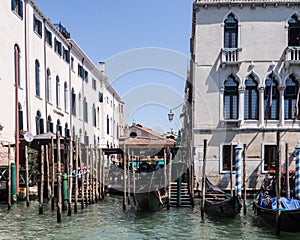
[76, 175]
[59, 175]
[82, 175]
[133, 177]
[41, 195]
[87, 193]
[48, 172]
[128, 176]
[244, 178]
[53, 175]
[70, 175]
[278, 185]
[165, 168]
[231, 163]
[288, 194]
[92, 177]
[100, 174]
[124, 178]
[203, 178]
[26, 177]
[169, 179]
[9, 180]
[96, 174]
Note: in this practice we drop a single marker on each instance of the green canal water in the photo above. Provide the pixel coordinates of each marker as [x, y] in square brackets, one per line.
[106, 220]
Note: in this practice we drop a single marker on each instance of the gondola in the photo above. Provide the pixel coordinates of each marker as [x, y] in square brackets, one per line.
[219, 203]
[265, 208]
[150, 194]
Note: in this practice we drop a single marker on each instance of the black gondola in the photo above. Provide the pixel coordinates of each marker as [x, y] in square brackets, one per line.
[290, 209]
[217, 202]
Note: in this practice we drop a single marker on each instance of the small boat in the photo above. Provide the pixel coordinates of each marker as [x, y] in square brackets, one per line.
[219, 203]
[265, 207]
[149, 195]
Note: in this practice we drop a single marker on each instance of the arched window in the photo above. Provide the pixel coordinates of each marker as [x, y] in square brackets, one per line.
[58, 127]
[67, 131]
[17, 64]
[80, 134]
[39, 123]
[37, 79]
[85, 110]
[86, 139]
[49, 124]
[73, 102]
[65, 96]
[20, 113]
[271, 99]
[94, 116]
[290, 97]
[57, 91]
[80, 108]
[251, 99]
[48, 85]
[294, 31]
[231, 32]
[231, 98]
[107, 125]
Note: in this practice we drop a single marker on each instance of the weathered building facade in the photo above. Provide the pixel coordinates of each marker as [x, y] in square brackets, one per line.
[245, 77]
[48, 83]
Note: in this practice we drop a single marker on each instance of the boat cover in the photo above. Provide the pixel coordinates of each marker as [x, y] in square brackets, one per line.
[210, 188]
[286, 203]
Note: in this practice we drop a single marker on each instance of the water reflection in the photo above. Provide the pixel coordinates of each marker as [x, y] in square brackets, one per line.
[106, 220]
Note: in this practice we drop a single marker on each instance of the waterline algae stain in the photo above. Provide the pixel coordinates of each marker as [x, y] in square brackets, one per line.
[107, 220]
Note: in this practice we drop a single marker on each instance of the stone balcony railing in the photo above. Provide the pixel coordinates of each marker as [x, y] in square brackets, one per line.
[292, 55]
[230, 56]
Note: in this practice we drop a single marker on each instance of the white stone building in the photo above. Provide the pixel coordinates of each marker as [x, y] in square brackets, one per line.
[59, 87]
[242, 53]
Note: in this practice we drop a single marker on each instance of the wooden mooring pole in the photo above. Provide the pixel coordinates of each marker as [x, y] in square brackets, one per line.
[87, 179]
[96, 175]
[287, 181]
[26, 177]
[231, 175]
[278, 184]
[76, 175]
[53, 175]
[48, 172]
[9, 180]
[70, 175]
[124, 178]
[203, 178]
[244, 179]
[59, 175]
[41, 195]
[82, 175]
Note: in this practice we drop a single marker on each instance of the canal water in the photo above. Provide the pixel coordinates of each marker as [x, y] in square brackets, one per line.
[106, 220]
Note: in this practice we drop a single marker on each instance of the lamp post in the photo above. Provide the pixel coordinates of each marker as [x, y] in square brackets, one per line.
[171, 114]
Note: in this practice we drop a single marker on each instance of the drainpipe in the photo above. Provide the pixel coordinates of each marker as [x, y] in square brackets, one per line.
[16, 121]
[46, 82]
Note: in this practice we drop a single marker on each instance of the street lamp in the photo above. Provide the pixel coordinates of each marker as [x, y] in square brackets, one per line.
[171, 114]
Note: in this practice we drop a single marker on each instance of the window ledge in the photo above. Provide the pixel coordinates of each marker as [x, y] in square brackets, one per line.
[230, 123]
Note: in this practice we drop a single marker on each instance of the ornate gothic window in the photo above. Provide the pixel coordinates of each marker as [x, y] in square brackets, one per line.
[251, 99]
[231, 98]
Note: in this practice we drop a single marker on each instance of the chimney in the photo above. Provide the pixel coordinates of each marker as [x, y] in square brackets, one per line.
[102, 67]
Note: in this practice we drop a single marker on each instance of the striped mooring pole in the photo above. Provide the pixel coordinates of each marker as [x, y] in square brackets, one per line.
[238, 167]
[297, 176]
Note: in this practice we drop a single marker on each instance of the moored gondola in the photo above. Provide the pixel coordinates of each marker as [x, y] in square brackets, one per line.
[217, 202]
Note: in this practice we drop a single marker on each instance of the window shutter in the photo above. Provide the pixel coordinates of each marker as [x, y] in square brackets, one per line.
[13, 5]
[37, 125]
[21, 9]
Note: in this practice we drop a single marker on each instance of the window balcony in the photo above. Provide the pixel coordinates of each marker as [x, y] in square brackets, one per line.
[230, 56]
[292, 55]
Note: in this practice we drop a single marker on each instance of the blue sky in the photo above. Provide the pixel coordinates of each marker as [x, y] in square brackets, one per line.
[145, 45]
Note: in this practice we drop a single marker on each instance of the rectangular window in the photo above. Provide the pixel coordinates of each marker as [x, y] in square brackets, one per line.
[94, 84]
[72, 64]
[37, 26]
[86, 75]
[17, 7]
[57, 47]
[48, 36]
[80, 71]
[269, 157]
[228, 153]
[73, 103]
[100, 97]
[66, 55]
